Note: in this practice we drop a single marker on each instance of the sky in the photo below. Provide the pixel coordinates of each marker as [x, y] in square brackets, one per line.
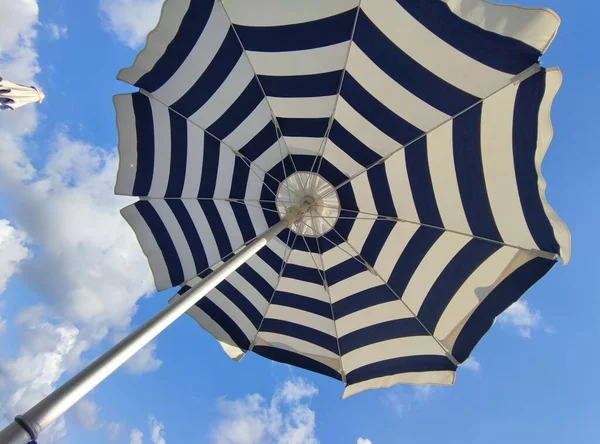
[73, 279]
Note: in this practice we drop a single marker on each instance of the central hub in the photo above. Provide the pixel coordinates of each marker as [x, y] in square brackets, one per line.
[324, 210]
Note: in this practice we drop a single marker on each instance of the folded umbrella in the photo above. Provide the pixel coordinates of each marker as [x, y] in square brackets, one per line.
[13, 95]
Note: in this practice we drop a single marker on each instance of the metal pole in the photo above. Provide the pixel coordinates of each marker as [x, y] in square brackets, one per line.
[27, 426]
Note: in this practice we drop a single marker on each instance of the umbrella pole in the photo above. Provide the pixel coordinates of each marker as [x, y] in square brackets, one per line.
[27, 426]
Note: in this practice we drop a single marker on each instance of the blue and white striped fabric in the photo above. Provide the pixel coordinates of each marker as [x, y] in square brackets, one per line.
[425, 121]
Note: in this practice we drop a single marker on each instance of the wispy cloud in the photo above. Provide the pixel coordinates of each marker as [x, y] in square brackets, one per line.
[157, 430]
[521, 316]
[86, 413]
[136, 437]
[472, 364]
[363, 441]
[130, 20]
[57, 32]
[144, 361]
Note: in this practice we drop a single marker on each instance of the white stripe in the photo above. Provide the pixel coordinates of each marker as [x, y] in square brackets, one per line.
[302, 145]
[194, 160]
[341, 160]
[377, 314]
[208, 324]
[430, 268]
[440, 155]
[393, 248]
[162, 149]
[431, 52]
[301, 317]
[299, 346]
[229, 91]
[364, 130]
[304, 258]
[250, 127]
[391, 94]
[353, 285]
[127, 144]
[337, 255]
[534, 26]
[230, 222]
[415, 378]
[264, 270]
[397, 176]
[270, 157]
[303, 288]
[391, 349]
[232, 310]
[176, 234]
[248, 291]
[283, 12]
[298, 63]
[208, 241]
[224, 173]
[499, 168]
[302, 107]
[162, 280]
[198, 59]
[361, 228]
[158, 40]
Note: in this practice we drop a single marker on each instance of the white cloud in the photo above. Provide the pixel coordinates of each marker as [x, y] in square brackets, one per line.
[402, 399]
[113, 430]
[521, 316]
[363, 441]
[156, 430]
[130, 20]
[57, 32]
[143, 361]
[2, 321]
[136, 437]
[286, 419]
[13, 250]
[472, 364]
[86, 413]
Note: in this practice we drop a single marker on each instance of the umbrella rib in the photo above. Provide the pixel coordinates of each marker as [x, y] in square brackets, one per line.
[524, 75]
[321, 151]
[278, 131]
[372, 270]
[286, 255]
[236, 153]
[541, 253]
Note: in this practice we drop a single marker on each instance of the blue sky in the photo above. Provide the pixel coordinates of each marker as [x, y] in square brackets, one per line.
[75, 279]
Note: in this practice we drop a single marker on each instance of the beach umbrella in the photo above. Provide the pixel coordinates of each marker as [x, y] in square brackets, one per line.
[351, 187]
[13, 95]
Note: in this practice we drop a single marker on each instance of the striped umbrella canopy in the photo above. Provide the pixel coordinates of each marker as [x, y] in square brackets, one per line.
[14, 95]
[414, 132]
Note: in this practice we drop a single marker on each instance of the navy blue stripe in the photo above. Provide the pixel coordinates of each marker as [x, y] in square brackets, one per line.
[243, 106]
[500, 298]
[343, 271]
[239, 182]
[525, 132]
[301, 273]
[190, 232]
[347, 199]
[301, 332]
[458, 270]
[163, 239]
[421, 186]
[364, 299]
[225, 322]
[144, 129]
[179, 146]
[407, 72]
[376, 239]
[256, 280]
[241, 302]
[311, 85]
[466, 142]
[288, 357]
[184, 289]
[349, 144]
[297, 127]
[271, 259]
[210, 166]
[382, 195]
[502, 53]
[260, 143]
[410, 259]
[179, 48]
[308, 35]
[216, 225]
[212, 78]
[398, 328]
[376, 112]
[244, 222]
[408, 364]
[303, 303]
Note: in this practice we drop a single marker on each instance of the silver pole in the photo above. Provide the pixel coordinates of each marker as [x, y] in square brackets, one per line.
[27, 426]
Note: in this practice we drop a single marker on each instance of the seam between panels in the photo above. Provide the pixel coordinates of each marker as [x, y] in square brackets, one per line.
[521, 77]
[321, 151]
[278, 132]
[372, 270]
[283, 265]
[541, 253]
[236, 153]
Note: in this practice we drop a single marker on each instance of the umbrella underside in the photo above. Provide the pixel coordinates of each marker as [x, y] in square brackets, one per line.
[417, 129]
